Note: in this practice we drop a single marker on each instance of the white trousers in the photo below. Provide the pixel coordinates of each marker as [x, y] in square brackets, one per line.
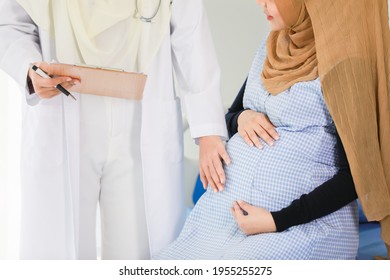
[111, 176]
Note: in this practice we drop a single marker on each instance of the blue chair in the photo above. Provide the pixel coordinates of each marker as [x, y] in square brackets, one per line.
[370, 242]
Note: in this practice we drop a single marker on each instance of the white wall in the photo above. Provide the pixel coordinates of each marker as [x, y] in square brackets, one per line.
[238, 27]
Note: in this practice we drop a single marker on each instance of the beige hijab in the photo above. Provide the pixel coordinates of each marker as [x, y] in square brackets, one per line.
[103, 33]
[291, 53]
[352, 42]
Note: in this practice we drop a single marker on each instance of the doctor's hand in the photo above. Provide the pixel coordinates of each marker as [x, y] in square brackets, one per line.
[254, 220]
[45, 88]
[212, 152]
[252, 125]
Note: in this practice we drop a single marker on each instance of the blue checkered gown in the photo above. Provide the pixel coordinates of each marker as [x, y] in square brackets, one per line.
[303, 158]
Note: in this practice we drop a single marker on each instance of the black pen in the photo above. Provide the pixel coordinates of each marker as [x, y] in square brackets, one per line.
[43, 74]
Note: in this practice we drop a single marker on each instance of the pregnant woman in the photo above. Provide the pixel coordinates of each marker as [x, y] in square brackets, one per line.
[286, 84]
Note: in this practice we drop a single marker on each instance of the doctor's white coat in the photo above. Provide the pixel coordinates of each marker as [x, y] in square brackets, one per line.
[50, 144]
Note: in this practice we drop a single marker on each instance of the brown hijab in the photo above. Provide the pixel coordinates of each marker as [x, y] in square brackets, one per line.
[291, 53]
[352, 49]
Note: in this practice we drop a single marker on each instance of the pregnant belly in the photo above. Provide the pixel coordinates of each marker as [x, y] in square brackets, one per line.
[274, 176]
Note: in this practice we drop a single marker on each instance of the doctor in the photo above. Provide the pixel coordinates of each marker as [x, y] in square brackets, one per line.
[124, 155]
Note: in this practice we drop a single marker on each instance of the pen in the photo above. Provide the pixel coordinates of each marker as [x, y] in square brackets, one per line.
[43, 74]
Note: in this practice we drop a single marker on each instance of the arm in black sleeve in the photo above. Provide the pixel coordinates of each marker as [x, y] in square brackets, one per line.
[325, 199]
[234, 112]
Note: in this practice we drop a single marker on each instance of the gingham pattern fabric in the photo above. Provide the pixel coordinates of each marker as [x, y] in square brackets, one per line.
[304, 157]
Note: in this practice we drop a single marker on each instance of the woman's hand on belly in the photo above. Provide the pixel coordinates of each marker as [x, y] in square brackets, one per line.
[251, 219]
[252, 125]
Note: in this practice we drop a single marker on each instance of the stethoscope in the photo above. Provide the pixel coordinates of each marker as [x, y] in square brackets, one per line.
[143, 18]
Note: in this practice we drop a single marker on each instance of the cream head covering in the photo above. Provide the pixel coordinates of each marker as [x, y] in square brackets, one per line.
[106, 33]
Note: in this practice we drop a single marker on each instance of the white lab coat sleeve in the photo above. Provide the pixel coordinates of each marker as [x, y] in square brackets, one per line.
[197, 69]
[19, 45]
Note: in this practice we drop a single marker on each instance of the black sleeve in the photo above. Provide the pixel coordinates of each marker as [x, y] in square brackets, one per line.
[324, 200]
[234, 112]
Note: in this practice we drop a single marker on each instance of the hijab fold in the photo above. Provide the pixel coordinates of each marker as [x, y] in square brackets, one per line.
[103, 33]
[352, 56]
